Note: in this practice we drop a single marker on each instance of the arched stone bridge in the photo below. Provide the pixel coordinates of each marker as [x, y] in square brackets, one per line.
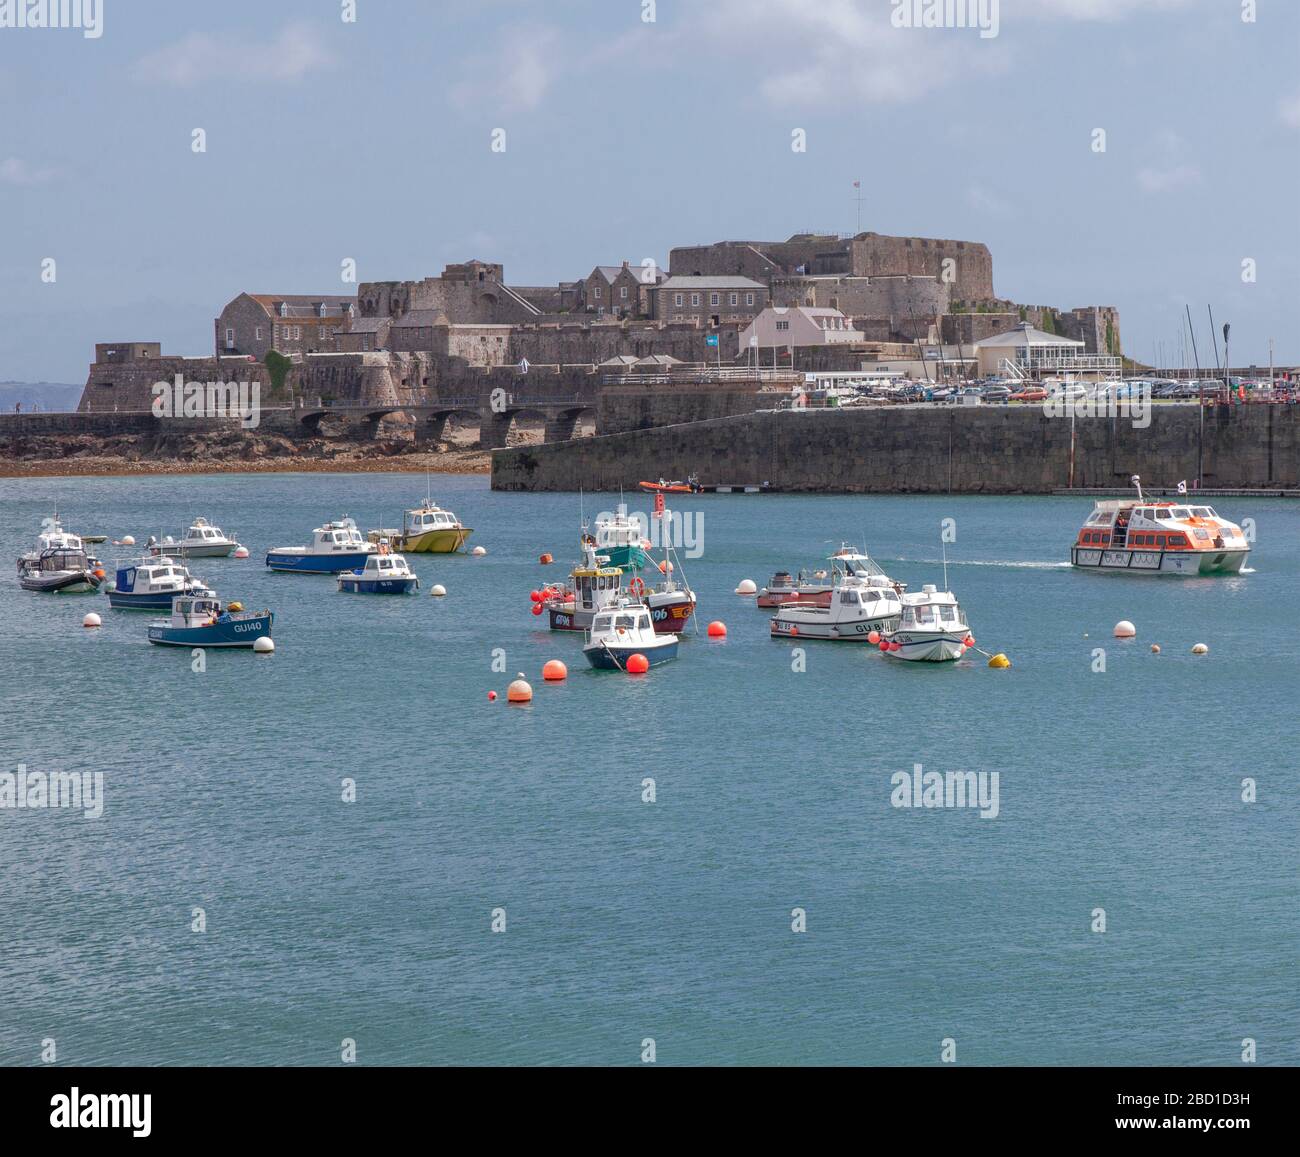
[495, 419]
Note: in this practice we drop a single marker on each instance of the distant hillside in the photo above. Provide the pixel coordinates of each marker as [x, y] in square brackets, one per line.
[46, 396]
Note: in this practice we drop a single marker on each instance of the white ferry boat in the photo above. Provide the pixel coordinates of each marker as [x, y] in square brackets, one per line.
[1140, 536]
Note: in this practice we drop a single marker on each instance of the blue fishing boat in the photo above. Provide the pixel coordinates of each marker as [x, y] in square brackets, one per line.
[623, 630]
[383, 574]
[150, 584]
[202, 622]
[335, 547]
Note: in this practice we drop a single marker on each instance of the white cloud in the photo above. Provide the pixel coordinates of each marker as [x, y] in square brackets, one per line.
[1153, 180]
[202, 56]
[1289, 110]
[16, 171]
[1112, 10]
[986, 201]
[516, 77]
[837, 51]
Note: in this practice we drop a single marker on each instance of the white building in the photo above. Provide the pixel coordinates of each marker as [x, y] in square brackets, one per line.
[786, 327]
[1030, 353]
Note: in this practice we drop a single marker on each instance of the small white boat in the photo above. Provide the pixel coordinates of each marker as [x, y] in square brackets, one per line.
[932, 628]
[54, 537]
[623, 630]
[335, 547]
[383, 574]
[59, 571]
[863, 600]
[202, 540]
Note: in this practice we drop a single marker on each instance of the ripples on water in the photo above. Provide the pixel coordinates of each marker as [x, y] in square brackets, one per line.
[626, 920]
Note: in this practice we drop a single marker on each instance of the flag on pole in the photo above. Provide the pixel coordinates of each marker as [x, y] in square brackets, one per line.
[1182, 488]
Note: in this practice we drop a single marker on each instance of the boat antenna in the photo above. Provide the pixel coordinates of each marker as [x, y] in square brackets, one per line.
[944, 547]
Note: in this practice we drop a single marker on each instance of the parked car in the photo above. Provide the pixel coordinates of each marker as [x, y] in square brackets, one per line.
[1030, 394]
[996, 393]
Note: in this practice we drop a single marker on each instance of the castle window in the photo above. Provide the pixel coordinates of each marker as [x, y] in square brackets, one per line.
[782, 325]
[695, 299]
[677, 299]
[622, 292]
[734, 298]
[230, 338]
[283, 309]
[596, 293]
[257, 333]
[714, 299]
[749, 299]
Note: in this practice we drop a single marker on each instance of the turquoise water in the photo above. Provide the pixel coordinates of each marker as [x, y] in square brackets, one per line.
[371, 920]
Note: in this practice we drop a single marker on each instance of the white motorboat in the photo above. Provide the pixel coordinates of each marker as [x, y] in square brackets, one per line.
[202, 540]
[383, 574]
[623, 630]
[335, 547]
[931, 628]
[863, 600]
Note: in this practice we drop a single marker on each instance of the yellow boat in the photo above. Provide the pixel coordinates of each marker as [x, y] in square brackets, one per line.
[428, 529]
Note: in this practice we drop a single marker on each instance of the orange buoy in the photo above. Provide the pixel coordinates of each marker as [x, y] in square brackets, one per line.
[717, 630]
[637, 664]
[873, 638]
[520, 691]
[492, 696]
[555, 671]
[665, 567]
[99, 572]
[884, 644]
[546, 560]
[794, 630]
[535, 596]
[538, 608]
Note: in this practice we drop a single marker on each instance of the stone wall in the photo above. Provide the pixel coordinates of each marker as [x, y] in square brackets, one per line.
[966, 450]
[620, 408]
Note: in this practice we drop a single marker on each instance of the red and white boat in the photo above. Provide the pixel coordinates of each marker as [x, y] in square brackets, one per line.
[783, 587]
[594, 585]
[1141, 536]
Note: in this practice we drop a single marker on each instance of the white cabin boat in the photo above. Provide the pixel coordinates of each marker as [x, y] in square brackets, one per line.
[863, 600]
[623, 630]
[931, 628]
[383, 574]
[335, 547]
[202, 540]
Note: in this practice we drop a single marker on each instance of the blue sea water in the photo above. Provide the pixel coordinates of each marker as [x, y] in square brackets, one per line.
[625, 920]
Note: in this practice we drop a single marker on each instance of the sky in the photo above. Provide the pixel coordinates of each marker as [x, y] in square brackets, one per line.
[631, 126]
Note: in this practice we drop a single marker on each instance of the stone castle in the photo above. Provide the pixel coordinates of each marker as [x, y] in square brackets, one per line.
[466, 331]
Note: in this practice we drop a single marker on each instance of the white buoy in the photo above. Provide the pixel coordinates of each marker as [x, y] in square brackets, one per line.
[1124, 629]
[479, 551]
[128, 540]
[91, 620]
[747, 587]
[438, 589]
[241, 552]
[264, 645]
[1200, 649]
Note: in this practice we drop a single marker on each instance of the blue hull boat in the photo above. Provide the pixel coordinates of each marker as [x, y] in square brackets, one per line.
[314, 563]
[158, 601]
[201, 622]
[611, 657]
[354, 584]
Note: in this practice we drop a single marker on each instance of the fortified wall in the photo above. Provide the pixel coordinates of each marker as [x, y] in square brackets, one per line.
[958, 450]
[865, 255]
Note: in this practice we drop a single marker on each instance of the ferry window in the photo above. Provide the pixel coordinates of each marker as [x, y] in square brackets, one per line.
[848, 598]
[1182, 512]
[1162, 514]
[624, 621]
[1202, 533]
[1177, 540]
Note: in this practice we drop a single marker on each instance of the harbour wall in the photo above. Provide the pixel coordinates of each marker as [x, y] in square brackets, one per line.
[926, 450]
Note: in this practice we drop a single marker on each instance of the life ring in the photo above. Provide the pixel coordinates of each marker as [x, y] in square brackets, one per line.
[636, 586]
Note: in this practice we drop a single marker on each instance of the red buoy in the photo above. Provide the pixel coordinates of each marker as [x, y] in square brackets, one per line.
[637, 664]
[555, 671]
[717, 630]
[538, 608]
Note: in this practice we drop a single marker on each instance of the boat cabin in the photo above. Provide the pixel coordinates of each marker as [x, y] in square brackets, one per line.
[339, 537]
[56, 538]
[385, 566]
[596, 587]
[430, 518]
[625, 619]
[63, 560]
[1155, 526]
[164, 574]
